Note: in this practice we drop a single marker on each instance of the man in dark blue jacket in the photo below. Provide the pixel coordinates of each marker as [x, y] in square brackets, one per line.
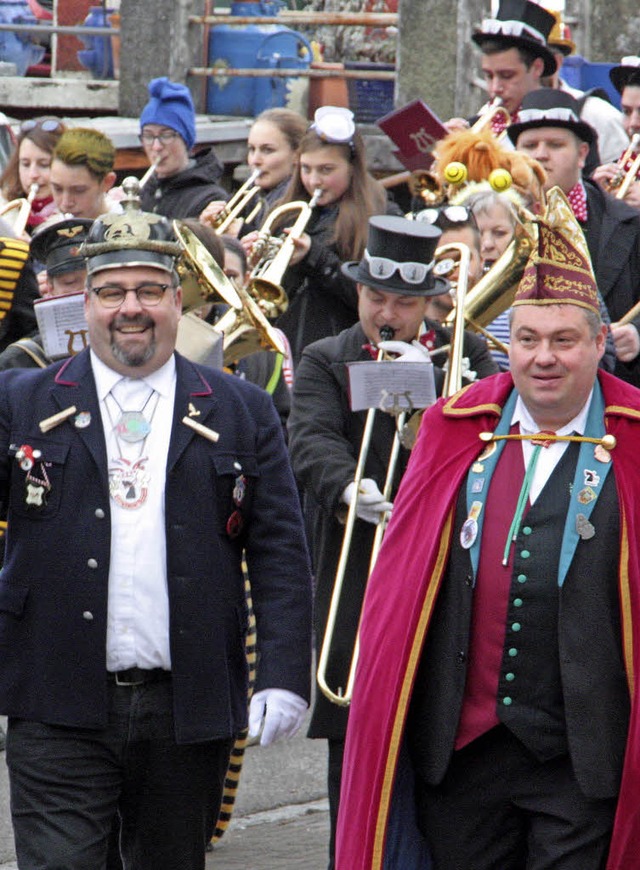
[135, 481]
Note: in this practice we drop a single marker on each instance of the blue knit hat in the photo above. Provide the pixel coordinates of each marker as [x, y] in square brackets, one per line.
[171, 106]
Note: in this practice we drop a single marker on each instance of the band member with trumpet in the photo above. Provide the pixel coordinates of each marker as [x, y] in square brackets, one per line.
[181, 185]
[26, 175]
[515, 57]
[325, 437]
[622, 178]
[497, 665]
[331, 160]
[126, 653]
[551, 131]
[272, 146]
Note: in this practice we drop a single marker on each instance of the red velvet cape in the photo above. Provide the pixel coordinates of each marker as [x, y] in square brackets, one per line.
[403, 588]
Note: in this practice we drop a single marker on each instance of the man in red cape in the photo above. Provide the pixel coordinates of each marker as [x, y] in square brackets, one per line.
[587, 754]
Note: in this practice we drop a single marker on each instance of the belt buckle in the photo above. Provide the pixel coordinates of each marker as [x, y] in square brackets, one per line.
[124, 682]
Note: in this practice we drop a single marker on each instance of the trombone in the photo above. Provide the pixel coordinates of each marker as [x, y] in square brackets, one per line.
[622, 180]
[342, 696]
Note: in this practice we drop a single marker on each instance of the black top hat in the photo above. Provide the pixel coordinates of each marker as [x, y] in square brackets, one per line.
[520, 24]
[57, 245]
[550, 107]
[626, 73]
[133, 238]
[399, 258]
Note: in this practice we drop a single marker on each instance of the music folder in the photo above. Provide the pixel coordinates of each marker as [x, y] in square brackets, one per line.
[62, 325]
[414, 129]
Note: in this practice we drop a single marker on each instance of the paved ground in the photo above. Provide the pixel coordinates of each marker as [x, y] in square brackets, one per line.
[281, 818]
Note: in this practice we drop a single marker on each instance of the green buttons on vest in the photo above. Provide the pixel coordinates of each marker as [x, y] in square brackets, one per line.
[516, 626]
[513, 652]
[524, 554]
[527, 530]
[522, 578]
[510, 677]
[507, 701]
[517, 602]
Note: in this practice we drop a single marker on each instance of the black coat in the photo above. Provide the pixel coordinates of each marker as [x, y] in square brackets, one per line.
[613, 237]
[185, 194]
[324, 441]
[54, 584]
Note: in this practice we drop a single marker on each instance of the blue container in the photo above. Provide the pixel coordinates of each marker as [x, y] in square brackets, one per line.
[283, 50]
[251, 47]
[370, 99]
[582, 74]
[97, 56]
[18, 48]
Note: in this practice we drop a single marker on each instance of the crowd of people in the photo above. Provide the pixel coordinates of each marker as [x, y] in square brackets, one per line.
[462, 378]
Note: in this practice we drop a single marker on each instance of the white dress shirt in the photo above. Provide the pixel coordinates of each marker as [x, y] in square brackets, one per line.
[551, 455]
[138, 602]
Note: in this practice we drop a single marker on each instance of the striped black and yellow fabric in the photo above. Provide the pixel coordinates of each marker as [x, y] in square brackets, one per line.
[13, 256]
[232, 779]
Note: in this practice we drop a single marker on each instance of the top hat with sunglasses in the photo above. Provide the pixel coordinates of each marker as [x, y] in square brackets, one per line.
[399, 258]
[626, 73]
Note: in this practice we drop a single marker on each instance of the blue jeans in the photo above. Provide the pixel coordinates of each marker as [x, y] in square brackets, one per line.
[67, 784]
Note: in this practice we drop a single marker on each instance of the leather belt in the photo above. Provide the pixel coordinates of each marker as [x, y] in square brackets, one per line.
[137, 676]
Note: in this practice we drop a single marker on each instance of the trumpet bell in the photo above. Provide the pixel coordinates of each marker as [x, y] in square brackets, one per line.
[16, 214]
[270, 297]
[201, 277]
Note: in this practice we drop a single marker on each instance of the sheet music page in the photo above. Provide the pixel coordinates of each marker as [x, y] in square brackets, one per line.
[62, 324]
[388, 385]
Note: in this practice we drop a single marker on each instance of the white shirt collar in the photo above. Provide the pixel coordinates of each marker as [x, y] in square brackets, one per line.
[528, 425]
[161, 380]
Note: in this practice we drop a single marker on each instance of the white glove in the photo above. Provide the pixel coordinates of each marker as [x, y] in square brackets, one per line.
[282, 711]
[371, 502]
[414, 352]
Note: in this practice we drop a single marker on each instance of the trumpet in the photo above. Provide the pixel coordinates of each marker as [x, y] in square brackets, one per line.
[342, 695]
[17, 212]
[201, 277]
[623, 179]
[237, 204]
[494, 110]
[270, 256]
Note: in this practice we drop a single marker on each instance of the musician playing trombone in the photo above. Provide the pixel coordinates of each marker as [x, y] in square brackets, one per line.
[395, 280]
[496, 685]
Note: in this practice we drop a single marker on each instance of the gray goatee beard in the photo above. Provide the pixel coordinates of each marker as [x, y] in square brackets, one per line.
[133, 357]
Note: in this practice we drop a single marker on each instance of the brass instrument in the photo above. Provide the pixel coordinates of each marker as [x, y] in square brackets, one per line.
[342, 696]
[622, 180]
[426, 186]
[493, 110]
[453, 377]
[17, 212]
[236, 205]
[244, 328]
[494, 292]
[201, 277]
[270, 256]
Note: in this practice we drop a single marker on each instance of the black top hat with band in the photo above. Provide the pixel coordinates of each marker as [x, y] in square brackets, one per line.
[520, 24]
[58, 244]
[626, 73]
[550, 107]
[399, 258]
[133, 238]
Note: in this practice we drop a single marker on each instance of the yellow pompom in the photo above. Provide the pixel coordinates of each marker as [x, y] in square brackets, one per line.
[455, 173]
[500, 180]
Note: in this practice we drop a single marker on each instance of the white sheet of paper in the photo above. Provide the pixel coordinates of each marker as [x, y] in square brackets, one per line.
[62, 324]
[407, 385]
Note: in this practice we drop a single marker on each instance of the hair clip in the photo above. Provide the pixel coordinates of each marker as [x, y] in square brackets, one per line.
[334, 125]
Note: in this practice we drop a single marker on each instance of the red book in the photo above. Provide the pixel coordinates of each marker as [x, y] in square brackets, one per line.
[414, 129]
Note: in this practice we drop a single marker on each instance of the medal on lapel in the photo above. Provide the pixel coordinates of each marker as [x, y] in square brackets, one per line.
[129, 482]
[469, 530]
[37, 483]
